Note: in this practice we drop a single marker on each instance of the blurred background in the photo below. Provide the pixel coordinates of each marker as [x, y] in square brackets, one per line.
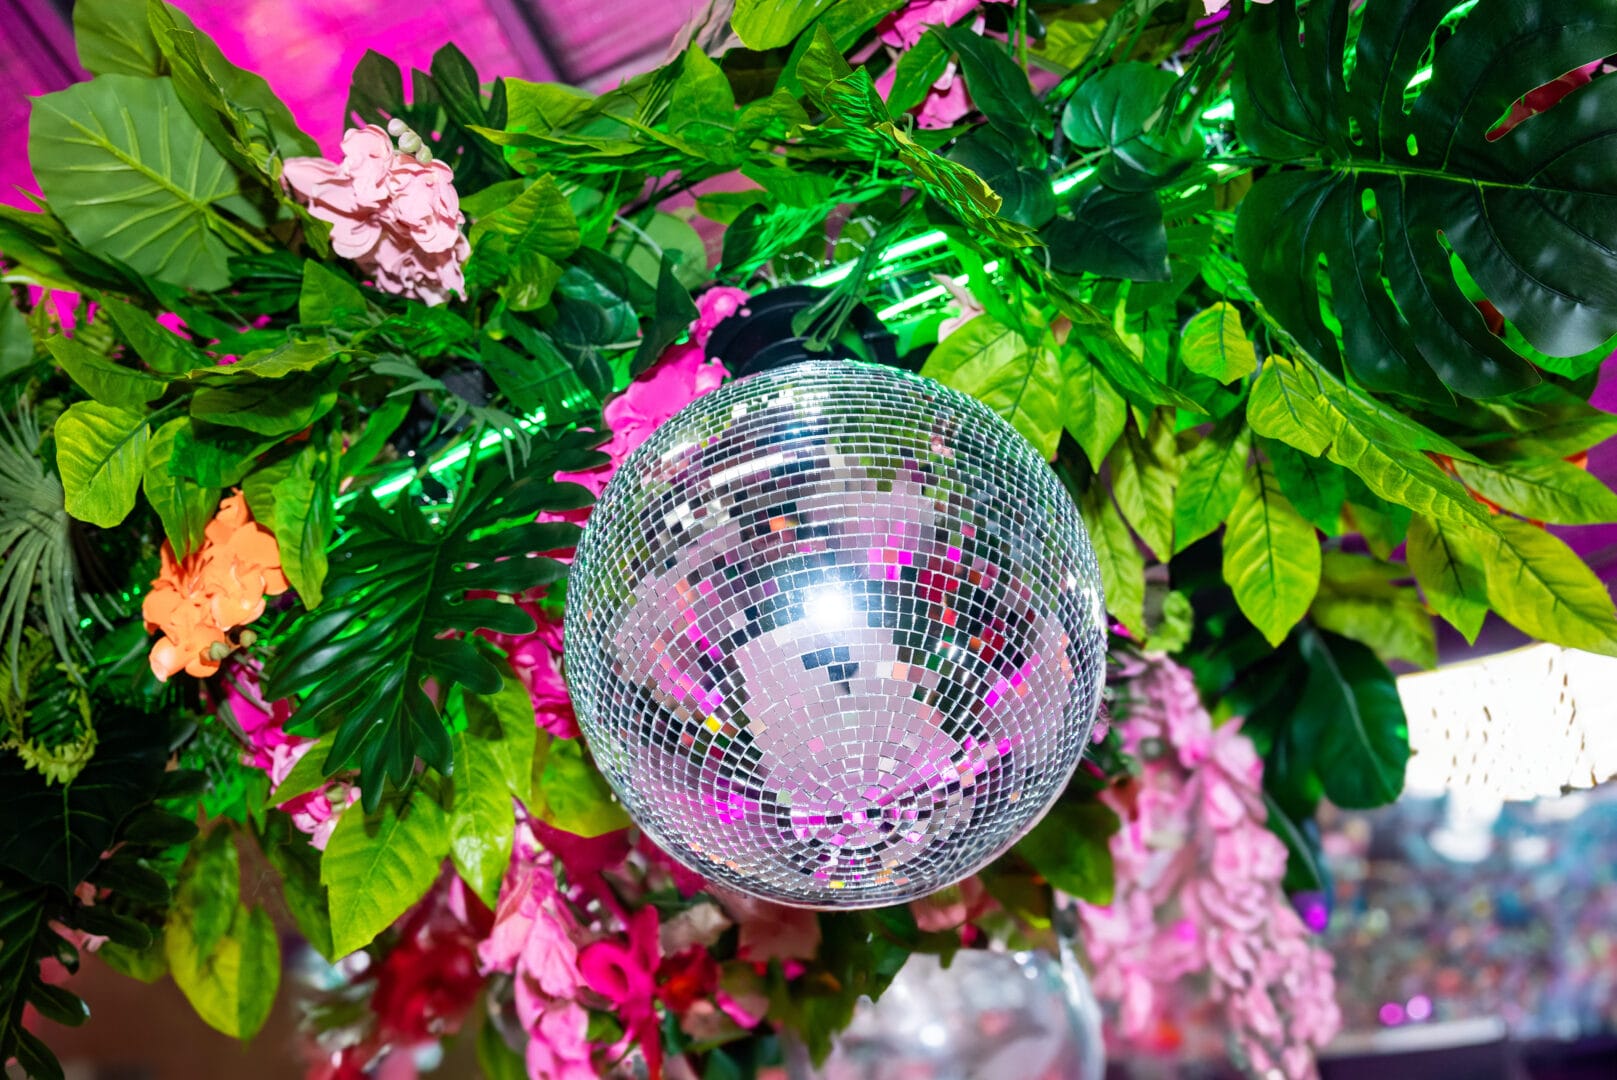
[1474, 923]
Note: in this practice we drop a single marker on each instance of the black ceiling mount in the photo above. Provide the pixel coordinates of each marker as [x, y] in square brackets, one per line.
[760, 336]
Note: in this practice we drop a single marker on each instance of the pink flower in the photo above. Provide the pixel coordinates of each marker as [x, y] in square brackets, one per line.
[624, 972]
[770, 931]
[905, 27]
[536, 660]
[557, 1049]
[397, 218]
[713, 307]
[317, 812]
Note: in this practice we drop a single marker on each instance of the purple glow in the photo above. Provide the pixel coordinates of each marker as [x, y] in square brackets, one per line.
[1420, 1008]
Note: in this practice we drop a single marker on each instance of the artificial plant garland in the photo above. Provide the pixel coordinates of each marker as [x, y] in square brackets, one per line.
[1304, 303]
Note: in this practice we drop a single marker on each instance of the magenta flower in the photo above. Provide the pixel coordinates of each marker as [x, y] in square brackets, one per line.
[397, 218]
[906, 26]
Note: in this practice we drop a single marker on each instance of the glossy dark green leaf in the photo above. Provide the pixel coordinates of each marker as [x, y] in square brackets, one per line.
[999, 88]
[1364, 738]
[1026, 194]
[1387, 191]
[1071, 848]
[184, 506]
[59, 831]
[1117, 234]
[1124, 108]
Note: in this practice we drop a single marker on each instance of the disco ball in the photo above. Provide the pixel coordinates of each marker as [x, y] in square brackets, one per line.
[986, 1015]
[834, 635]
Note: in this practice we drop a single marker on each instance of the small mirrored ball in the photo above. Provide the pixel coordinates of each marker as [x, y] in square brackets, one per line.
[835, 635]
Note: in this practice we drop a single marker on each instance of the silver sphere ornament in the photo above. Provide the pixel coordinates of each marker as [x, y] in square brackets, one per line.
[834, 635]
[987, 1016]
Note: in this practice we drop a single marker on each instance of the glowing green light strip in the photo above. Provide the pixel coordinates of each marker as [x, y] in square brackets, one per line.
[491, 439]
[926, 296]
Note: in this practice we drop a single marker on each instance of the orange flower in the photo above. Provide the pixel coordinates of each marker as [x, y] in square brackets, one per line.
[198, 600]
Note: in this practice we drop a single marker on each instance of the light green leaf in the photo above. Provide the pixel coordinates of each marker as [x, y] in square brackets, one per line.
[1271, 557]
[1358, 599]
[1215, 344]
[540, 220]
[233, 987]
[505, 723]
[286, 359]
[113, 37]
[376, 867]
[1538, 583]
[1211, 481]
[108, 382]
[184, 506]
[571, 794]
[1095, 411]
[101, 454]
[1448, 566]
[1557, 492]
[768, 24]
[303, 509]
[163, 350]
[272, 407]
[1122, 567]
[131, 175]
[1284, 405]
[1143, 476]
[328, 297]
[482, 819]
[994, 364]
[308, 774]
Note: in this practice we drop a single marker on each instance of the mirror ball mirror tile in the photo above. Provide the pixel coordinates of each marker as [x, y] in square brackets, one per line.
[835, 635]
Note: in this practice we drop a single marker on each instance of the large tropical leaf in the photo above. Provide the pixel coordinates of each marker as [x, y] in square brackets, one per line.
[994, 363]
[133, 177]
[376, 866]
[396, 584]
[1387, 190]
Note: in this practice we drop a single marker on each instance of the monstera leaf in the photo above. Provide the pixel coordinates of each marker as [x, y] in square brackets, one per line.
[1390, 189]
[396, 586]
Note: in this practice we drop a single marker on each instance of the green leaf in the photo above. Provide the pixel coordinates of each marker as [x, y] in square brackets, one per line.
[269, 407]
[1271, 556]
[214, 456]
[1557, 492]
[1122, 567]
[380, 425]
[493, 763]
[16, 343]
[101, 454]
[184, 506]
[377, 865]
[108, 382]
[1448, 565]
[1388, 189]
[1026, 194]
[292, 357]
[1071, 848]
[769, 24]
[672, 313]
[329, 297]
[993, 363]
[999, 88]
[1117, 234]
[1538, 583]
[539, 221]
[132, 177]
[571, 794]
[919, 67]
[303, 513]
[397, 584]
[1122, 109]
[306, 774]
[1364, 738]
[298, 863]
[207, 898]
[113, 37]
[1358, 599]
[70, 825]
[495, 1057]
[1544, 423]
[1327, 418]
[163, 350]
[233, 987]
[1143, 476]
[1315, 486]
[1211, 481]
[1215, 344]
[1095, 412]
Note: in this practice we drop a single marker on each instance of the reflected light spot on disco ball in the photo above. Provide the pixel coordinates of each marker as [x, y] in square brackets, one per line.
[834, 635]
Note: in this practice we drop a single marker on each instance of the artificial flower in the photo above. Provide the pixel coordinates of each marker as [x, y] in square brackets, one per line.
[220, 587]
[399, 218]
[905, 27]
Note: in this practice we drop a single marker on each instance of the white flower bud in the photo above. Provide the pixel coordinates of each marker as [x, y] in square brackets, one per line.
[424, 156]
[409, 142]
[397, 127]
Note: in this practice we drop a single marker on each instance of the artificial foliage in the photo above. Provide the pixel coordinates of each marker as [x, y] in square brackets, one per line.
[1304, 301]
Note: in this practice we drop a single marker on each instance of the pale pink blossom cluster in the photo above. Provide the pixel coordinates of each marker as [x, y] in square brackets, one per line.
[397, 218]
[1198, 888]
[272, 748]
[946, 102]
